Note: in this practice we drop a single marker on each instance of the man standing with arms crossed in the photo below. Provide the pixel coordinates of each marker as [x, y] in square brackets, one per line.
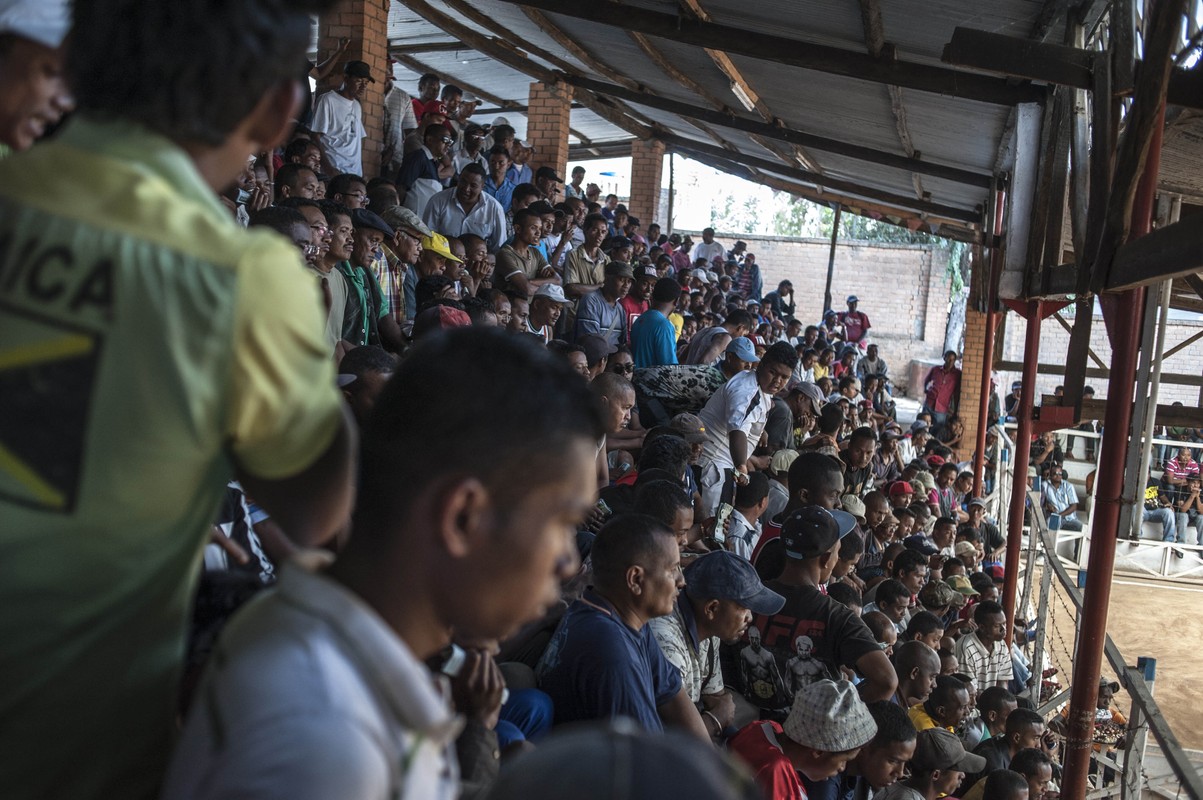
[154, 350]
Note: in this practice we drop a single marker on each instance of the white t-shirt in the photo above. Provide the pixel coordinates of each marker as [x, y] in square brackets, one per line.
[738, 405]
[340, 122]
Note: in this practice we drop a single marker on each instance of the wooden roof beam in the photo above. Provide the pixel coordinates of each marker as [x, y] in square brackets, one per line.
[1052, 63]
[418, 48]
[501, 51]
[730, 119]
[900, 201]
[794, 52]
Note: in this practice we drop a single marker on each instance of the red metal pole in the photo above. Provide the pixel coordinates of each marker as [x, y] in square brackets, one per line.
[1125, 338]
[1023, 453]
[983, 412]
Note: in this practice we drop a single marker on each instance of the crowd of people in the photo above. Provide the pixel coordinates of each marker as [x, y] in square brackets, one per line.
[454, 481]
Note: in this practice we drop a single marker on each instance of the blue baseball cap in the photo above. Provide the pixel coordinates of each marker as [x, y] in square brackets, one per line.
[846, 521]
[744, 349]
[723, 575]
[809, 532]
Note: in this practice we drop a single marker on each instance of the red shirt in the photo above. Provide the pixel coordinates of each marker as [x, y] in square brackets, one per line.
[633, 308]
[942, 386]
[856, 325]
[757, 744]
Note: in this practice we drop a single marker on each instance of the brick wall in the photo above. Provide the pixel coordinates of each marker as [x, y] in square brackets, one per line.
[547, 125]
[647, 169]
[903, 288]
[365, 23]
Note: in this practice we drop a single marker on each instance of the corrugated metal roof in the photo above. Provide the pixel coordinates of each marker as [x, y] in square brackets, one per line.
[944, 130]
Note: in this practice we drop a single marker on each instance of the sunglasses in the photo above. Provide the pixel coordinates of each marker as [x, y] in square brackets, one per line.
[621, 368]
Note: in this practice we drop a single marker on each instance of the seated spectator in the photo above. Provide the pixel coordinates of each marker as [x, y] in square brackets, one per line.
[353, 698]
[615, 397]
[599, 311]
[722, 592]
[1060, 498]
[983, 654]
[603, 661]
[669, 504]
[1024, 729]
[894, 600]
[883, 761]
[1036, 767]
[465, 208]
[918, 667]
[436, 252]
[751, 499]
[946, 707]
[362, 375]
[883, 630]
[545, 308]
[520, 264]
[778, 484]
[937, 768]
[846, 595]
[1159, 508]
[994, 706]
[1003, 784]
[1190, 510]
[827, 726]
[925, 627]
[812, 636]
[295, 180]
[367, 319]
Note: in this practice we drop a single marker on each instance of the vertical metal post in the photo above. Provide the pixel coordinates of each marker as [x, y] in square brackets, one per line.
[1162, 299]
[1134, 478]
[1088, 661]
[983, 414]
[672, 190]
[1136, 739]
[1042, 614]
[1023, 453]
[835, 235]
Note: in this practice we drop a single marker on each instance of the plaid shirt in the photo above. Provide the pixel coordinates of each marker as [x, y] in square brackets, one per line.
[389, 275]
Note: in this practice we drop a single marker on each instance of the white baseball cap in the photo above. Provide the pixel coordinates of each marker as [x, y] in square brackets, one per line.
[43, 21]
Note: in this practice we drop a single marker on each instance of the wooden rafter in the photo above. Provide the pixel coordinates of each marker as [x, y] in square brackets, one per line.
[500, 50]
[728, 68]
[875, 41]
[794, 52]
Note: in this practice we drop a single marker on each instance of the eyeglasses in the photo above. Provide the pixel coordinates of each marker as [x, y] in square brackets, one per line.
[448, 140]
[321, 229]
[360, 196]
[622, 368]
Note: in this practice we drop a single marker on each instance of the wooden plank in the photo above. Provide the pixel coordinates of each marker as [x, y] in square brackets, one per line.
[730, 119]
[427, 47]
[1018, 57]
[1171, 252]
[1144, 117]
[1070, 329]
[794, 52]
[1102, 149]
[1172, 378]
[951, 212]
[1182, 345]
[1079, 349]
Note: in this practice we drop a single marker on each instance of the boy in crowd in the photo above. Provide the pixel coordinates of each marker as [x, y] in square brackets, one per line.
[1024, 729]
[946, 707]
[882, 762]
[826, 728]
[937, 768]
[994, 706]
[925, 627]
[893, 600]
[918, 667]
[984, 654]
[751, 499]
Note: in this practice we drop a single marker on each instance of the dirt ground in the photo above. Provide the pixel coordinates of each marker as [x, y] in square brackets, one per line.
[1162, 620]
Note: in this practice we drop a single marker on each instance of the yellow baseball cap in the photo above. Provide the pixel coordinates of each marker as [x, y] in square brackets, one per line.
[437, 242]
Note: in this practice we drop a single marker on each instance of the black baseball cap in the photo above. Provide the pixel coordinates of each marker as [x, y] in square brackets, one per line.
[358, 69]
[362, 218]
[548, 173]
[809, 532]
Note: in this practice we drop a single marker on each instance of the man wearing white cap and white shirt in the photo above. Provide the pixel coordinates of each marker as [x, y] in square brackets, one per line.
[545, 309]
[827, 726]
[33, 90]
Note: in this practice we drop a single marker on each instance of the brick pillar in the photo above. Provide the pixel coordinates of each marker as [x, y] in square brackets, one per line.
[547, 126]
[365, 23]
[647, 167]
[972, 363]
